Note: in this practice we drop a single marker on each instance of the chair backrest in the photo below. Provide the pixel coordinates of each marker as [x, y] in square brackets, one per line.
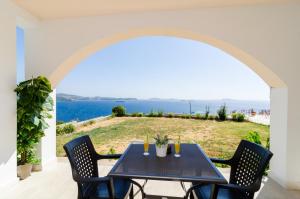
[82, 156]
[249, 163]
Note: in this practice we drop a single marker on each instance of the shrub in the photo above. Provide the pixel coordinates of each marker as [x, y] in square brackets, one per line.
[253, 136]
[136, 114]
[66, 129]
[186, 116]
[59, 122]
[119, 111]
[222, 113]
[238, 117]
[211, 117]
[151, 114]
[69, 128]
[170, 115]
[160, 113]
[59, 130]
[198, 116]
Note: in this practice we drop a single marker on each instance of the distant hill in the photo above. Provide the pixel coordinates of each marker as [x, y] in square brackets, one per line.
[69, 97]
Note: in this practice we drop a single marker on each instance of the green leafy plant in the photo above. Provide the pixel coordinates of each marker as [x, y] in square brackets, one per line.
[33, 106]
[253, 136]
[119, 111]
[222, 113]
[161, 140]
[238, 117]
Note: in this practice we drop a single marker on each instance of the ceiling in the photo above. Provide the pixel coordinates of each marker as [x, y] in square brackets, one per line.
[55, 9]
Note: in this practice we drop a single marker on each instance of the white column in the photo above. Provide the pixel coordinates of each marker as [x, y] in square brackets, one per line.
[293, 136]
[48, 143]
[8, 124]
[278, 134]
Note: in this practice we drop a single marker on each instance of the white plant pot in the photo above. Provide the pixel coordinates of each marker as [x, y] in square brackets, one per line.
[161, 151]
[24, 171]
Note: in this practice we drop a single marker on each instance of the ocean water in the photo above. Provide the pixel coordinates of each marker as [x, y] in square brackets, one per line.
[84, 110]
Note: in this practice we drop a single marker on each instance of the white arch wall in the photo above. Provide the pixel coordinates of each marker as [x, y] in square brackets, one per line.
[270, 33]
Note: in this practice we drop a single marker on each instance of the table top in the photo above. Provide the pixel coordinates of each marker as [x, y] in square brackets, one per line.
[193, 165]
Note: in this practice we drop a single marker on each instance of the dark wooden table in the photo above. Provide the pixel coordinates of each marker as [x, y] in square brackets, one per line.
[192, 166]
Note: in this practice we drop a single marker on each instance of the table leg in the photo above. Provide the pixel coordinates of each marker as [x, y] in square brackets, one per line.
[112, 187]
[214, 192]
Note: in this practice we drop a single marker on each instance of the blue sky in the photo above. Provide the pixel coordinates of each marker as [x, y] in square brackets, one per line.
[20, 55]
[160, 67]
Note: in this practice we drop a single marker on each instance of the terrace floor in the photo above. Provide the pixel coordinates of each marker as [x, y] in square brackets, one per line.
[56, 182]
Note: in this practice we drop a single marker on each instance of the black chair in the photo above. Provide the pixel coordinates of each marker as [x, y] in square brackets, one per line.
[247, 168]
[83, 159]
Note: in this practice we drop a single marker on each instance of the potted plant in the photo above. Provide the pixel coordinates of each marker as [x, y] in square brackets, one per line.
[33, 106]
[161, 145]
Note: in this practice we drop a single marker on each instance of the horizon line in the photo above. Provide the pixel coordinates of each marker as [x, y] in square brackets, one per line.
[137, 98]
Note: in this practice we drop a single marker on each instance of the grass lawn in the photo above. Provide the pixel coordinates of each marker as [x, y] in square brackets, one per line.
[218, 139]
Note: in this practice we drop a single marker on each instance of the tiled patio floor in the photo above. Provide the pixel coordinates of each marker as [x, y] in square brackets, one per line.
[56, 182]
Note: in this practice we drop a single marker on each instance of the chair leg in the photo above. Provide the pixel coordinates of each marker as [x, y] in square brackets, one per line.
[192, 195]
[131, 194]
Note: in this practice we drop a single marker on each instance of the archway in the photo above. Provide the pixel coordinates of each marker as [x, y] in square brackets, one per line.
[263, 71]
[278, 87]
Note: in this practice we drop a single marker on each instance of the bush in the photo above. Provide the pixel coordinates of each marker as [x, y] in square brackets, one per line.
[160, 113]
[152, 114]
[238, 117]
[198, 116]
[253, 136]
[59, 122]
[211, 117]
[186, 116]
[119, 111]
[66, 129]
[222, 113]
[136, 114]
[170, 115]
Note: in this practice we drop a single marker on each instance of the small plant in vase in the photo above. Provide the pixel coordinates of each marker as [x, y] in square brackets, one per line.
[161, 145]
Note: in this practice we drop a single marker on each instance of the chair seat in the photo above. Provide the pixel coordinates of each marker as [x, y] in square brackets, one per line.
[99, 191]
[204, 192]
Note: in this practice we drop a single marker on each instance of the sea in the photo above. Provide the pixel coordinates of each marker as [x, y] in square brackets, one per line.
[80, 110]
